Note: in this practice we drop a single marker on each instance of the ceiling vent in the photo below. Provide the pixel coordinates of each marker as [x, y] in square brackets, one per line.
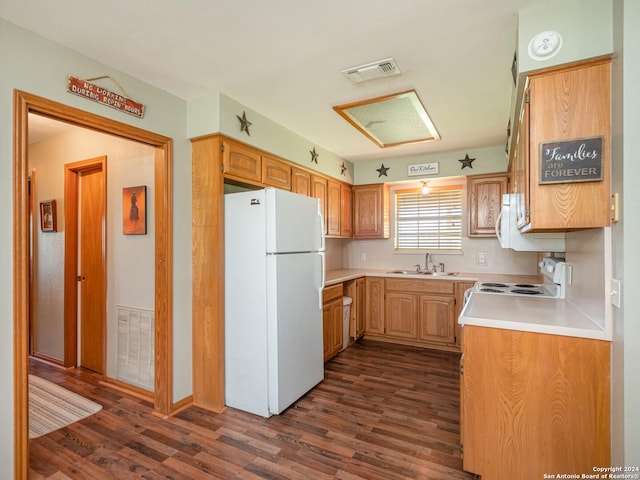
[371, 71]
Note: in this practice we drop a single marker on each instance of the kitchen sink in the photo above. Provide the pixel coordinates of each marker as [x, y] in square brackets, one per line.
[422, 272]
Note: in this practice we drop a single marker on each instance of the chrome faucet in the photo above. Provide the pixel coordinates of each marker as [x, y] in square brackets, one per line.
[428, 259]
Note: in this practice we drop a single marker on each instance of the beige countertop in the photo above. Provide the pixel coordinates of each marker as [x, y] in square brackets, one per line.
[343, 275]
[554, 316]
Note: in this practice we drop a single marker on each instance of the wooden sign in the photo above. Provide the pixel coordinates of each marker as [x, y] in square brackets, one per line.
[100, 94]
[422, 169]
[567, 161]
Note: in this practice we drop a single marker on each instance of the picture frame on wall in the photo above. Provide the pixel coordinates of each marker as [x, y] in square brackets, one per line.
[48, 222]
[134, 210]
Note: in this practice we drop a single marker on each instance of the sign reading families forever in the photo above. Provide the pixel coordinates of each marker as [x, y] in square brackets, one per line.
[571, 160]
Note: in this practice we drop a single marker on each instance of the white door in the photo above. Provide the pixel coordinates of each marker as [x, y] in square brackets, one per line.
[294, 324]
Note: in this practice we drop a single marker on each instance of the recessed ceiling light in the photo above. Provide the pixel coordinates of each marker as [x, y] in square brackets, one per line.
[391, 120]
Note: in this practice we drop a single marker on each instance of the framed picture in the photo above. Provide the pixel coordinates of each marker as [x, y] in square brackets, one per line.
[48, 216]
[134, 210]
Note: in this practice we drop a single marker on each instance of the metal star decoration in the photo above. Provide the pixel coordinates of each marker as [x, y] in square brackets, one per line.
[314, 155]
[466, 161]
[343, 168]
[244, 123]
[382, 170]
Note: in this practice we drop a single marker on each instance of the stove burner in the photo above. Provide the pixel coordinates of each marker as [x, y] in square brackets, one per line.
[524, 291]
[499, 285]
[491, 290]
[525, 285]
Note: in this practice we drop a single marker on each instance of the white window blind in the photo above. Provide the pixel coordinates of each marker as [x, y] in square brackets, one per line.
[429, 222]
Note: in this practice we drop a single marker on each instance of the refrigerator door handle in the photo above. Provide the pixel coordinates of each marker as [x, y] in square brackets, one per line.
[322, 268]
[320, 227]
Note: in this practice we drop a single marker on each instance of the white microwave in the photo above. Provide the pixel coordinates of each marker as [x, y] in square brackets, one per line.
[510, 237]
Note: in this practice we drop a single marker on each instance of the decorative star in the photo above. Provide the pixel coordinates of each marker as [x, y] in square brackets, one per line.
[244, 123]
[382, 170]
[466, 161]
[343, 168]
[314, 155]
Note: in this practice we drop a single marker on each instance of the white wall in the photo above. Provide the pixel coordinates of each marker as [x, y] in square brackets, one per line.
[625, 175]
[41, 67]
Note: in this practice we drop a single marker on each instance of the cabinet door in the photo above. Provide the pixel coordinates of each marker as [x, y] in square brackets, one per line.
[327, 331]
[521, 177]
[374, 308]
[276, 172]
[539, 403]
[436, 319]
[360, 307]
[401, 314]
[485, 202]
[241, 161]
[332, 328]
[346, 220]
[333, 208]
[336, 324]
[569, 104]
[371, 211]
[300, 181]
[319, 191]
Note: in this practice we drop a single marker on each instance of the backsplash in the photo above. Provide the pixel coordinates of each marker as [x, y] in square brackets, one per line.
[377, 254]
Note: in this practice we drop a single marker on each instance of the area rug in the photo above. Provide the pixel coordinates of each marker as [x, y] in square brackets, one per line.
[52, 407]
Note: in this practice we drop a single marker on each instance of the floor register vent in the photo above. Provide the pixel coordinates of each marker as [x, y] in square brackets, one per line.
[135, 346]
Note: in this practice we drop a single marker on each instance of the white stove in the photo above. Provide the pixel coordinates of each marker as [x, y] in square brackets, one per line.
[553, 271]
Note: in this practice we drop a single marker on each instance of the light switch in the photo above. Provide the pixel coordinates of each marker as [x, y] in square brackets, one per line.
[363, 257]
[615, 292]
[482, 258]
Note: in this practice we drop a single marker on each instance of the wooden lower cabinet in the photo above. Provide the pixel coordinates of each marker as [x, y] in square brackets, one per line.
[359, 302]
[401, 312]
[416, 312]
[332, 320]
[374, 305]
[533, 404]
[435, 316]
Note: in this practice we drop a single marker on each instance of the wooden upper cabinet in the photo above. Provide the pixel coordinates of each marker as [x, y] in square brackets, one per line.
[569, 104]
[241, 161]
[485, 201]
[371, 211]
[319, 191]
[276, 172]
[300, 181]
[346, 208]
[333, 208]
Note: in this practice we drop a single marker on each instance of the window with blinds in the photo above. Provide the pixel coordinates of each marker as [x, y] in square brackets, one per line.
[429, 222]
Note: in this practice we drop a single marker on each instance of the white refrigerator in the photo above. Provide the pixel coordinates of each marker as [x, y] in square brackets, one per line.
[274, 275]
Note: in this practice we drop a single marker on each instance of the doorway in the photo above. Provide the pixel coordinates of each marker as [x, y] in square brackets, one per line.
[84, 264]
[25, 103]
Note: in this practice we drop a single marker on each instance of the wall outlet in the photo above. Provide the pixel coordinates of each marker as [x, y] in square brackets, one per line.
[363, 257]
[482, 258]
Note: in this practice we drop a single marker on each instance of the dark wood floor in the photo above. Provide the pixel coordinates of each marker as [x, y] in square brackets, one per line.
[383, 412]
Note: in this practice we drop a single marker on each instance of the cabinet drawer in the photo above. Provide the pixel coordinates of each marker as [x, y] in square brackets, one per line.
[421, 286]
[331, 293]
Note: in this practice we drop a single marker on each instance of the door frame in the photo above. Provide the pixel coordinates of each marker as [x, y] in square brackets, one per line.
[72, 173]
[23, 104]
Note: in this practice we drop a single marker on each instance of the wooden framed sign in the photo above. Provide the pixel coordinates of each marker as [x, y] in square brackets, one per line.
[568, 161]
